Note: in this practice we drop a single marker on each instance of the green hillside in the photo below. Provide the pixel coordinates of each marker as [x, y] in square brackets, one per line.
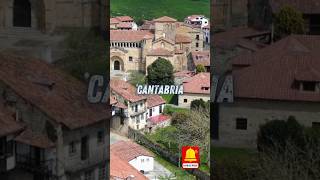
[150, 9]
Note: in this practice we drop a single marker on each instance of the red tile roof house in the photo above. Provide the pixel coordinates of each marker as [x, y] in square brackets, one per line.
[63, 134]
[276, 82]
[199, 58]
[135, 109]
[134, 154]
[9, 128]
[121, 169]
[196, 87]
[156, 119]
[123, 23]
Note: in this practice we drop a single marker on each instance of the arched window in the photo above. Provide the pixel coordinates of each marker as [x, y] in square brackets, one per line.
[116, 65]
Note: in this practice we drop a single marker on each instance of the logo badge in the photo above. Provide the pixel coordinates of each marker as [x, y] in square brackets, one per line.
[190, 157]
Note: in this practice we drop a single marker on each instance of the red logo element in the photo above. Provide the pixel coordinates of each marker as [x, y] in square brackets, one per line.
[190, 157]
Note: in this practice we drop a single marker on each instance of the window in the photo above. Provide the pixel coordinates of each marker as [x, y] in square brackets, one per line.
[100, 136]
[147, 159]
[136, 108]
[10, 145]
[309, 86]
[137, 120]
[142, 160]
[316, 125]
[88, 175]
[204, 88]
[137, 126]
[197, 44]
[130, 58]
[241, 123]
[72, 148]
[102, 172]
[160, 109]
[197, 37]
[84, 148]
[185, 100]
[150, 112]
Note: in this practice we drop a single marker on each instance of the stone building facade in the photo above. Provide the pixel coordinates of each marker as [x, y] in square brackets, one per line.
[172, 40]
[50, 15]
[56, 142]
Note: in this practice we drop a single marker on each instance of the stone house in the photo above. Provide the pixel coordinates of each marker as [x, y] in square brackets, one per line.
[196, 87]
[134, 154]
[276, 82]
[64, 136]
[36, 27]
[136, 50]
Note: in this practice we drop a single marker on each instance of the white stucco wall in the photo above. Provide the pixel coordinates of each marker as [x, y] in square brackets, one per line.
[143, 163]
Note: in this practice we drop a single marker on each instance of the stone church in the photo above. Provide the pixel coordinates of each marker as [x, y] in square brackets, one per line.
[30, 26]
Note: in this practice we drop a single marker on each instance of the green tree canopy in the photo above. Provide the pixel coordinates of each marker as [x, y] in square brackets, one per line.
[160, 72]
[200, 68]
[288, 21]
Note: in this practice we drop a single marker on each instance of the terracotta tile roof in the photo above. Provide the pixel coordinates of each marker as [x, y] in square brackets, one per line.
[129, 35]
[159, 119]
[113, 100]
[125, 25]
[201, 57]
[147, 25]
[182, 39]
[184, 73]
[198, 84]
[305, 6]
[164, 39]
[273, 71]
[128, 150]
[57, 94]
[165, 19]
[232, 37]
[126, 90]
[121, 105]
[114, 21]
[122, 169]
[35, 139]
[160, 52]
[194, 17]
[124, 18]
[8, 124]
[154, 100]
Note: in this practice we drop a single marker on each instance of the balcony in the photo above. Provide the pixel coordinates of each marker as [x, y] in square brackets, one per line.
[35, 165]
[138, 111]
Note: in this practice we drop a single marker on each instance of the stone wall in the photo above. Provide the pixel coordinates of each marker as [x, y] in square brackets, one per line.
[258, 113]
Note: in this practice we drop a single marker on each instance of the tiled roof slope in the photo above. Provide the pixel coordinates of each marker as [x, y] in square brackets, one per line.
[8, 124]
[198, 84]
[125, 90]
[273, 70]
[60, 96]
[129, 35]
[154, 100]
[128, 150]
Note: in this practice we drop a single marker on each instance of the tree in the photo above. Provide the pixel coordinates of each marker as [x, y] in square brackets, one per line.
[160, 72]
[137, 78]
[276, 134]
[85, 52]
[200, 68]
[288, 21]
[199, 103]
[195, 130]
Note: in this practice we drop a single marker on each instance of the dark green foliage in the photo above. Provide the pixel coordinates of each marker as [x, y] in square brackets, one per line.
[199, 103]
[160, 72]
[276, 134]
[288, 21]
[86, 52]
[200, 68]
[137, 78]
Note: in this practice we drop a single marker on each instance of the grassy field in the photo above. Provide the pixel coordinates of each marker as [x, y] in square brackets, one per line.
[150, 9]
